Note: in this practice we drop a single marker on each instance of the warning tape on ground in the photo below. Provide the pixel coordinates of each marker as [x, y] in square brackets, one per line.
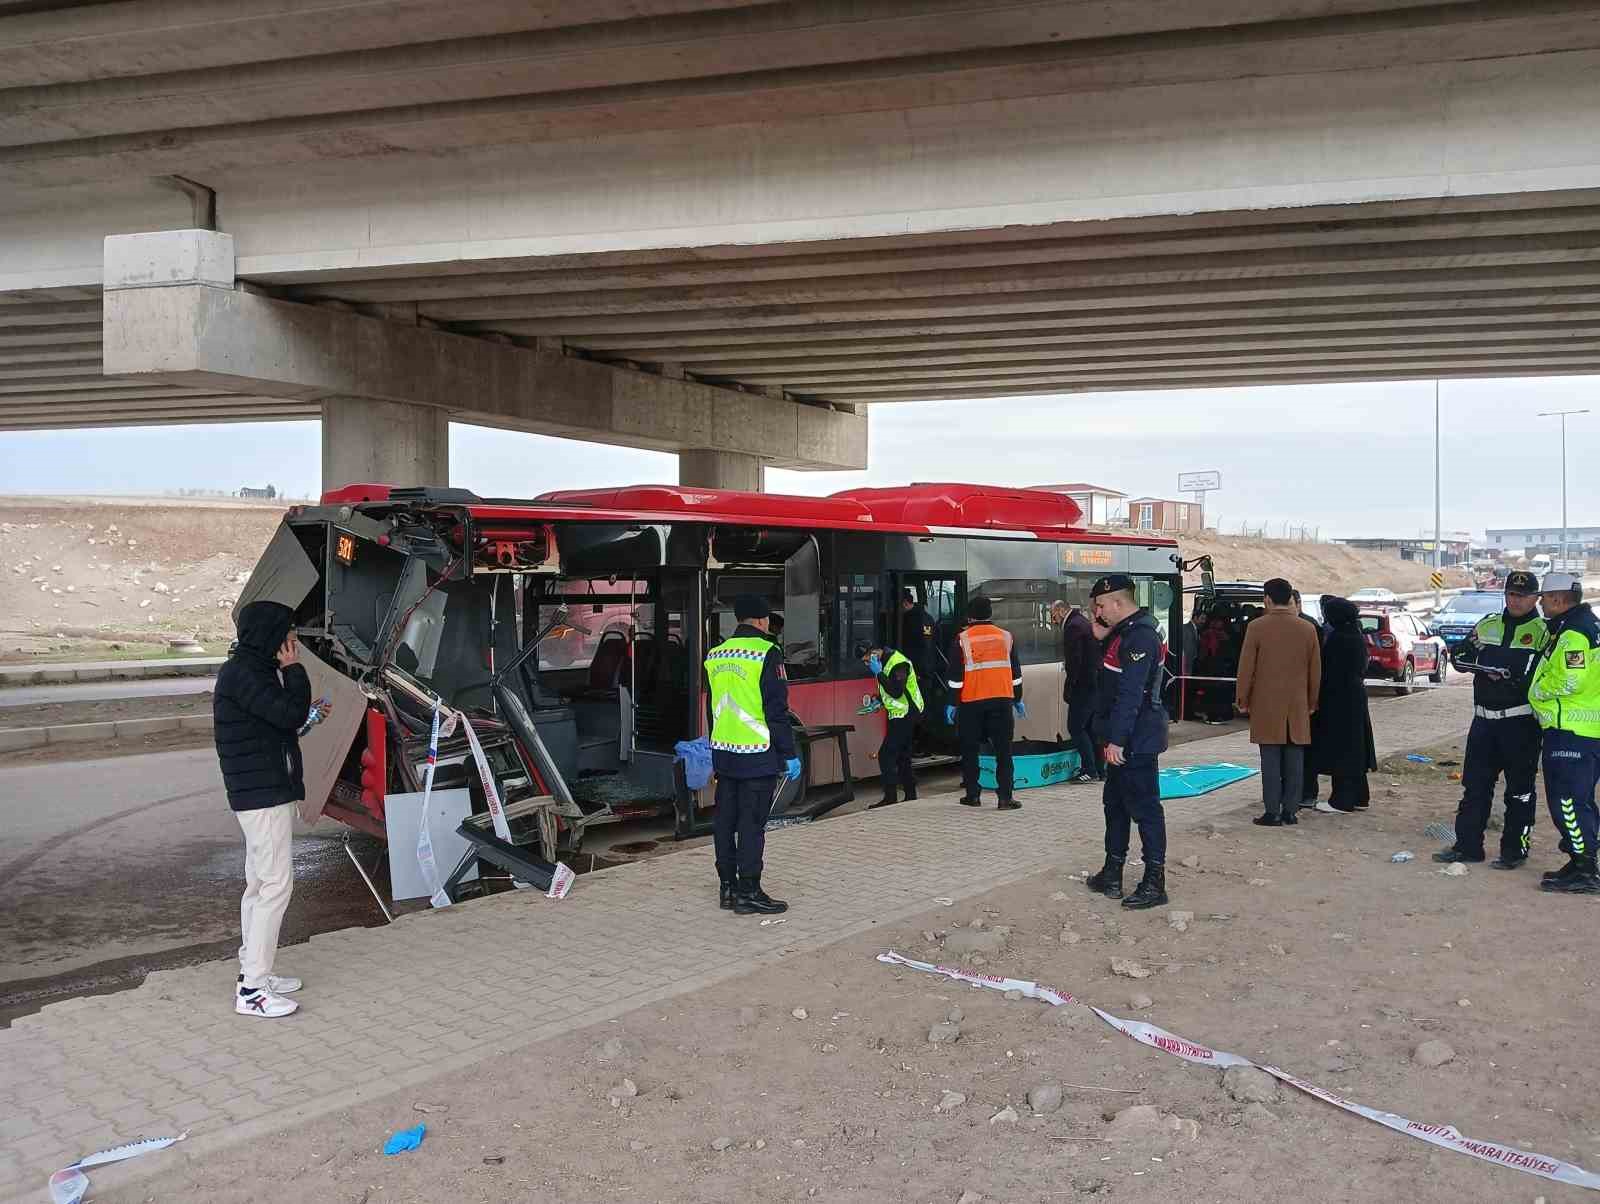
[1444, 1136]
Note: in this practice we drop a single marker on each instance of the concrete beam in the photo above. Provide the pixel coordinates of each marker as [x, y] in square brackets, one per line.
[198, 336]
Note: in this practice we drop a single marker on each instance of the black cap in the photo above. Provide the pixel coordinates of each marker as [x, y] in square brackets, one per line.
[1522, 582]
[1114, 584]
[750, 606]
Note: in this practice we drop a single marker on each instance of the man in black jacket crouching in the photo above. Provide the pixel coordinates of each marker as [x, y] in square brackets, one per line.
[261, 706]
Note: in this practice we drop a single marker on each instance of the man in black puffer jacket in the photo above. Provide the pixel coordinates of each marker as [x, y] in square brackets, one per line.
[261, 705]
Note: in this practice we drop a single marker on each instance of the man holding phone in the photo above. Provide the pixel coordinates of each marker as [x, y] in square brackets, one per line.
[261, 706]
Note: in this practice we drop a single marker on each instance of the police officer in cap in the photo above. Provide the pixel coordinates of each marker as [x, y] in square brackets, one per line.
[1132, 723]
[1504, 738]
[752, 744]
[1565, 694]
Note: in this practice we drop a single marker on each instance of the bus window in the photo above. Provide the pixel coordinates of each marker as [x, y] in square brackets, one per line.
[858, 621]
[802, 613]
[1157, 595]
[1022, 607]
[729, 587]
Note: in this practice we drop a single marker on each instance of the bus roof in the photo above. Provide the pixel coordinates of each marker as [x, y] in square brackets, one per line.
[919, 509]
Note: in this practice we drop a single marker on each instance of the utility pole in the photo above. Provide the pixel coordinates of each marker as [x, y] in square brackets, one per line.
[1439, 525]
[1562, 414]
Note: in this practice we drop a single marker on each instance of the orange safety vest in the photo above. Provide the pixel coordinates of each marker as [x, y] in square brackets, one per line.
[985, 662]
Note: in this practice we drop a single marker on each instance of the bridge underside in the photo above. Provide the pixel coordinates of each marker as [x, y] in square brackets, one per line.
[928, 199]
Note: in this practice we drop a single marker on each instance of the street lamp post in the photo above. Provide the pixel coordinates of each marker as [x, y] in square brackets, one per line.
[1562, 414]
[1438, 533]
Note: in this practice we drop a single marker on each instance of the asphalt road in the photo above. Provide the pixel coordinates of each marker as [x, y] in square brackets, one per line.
[112, 868]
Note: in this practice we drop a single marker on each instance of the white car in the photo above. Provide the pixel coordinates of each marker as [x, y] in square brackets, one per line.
[1374, 597]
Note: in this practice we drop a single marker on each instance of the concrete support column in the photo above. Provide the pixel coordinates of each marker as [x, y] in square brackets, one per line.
[383, 442]
[705, 468]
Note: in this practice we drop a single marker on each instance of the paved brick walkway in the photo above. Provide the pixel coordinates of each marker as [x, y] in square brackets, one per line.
[388, 1008]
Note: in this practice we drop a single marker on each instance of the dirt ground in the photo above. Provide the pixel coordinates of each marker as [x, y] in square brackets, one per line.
[82, 570]
[1310, 950]
[103, 710]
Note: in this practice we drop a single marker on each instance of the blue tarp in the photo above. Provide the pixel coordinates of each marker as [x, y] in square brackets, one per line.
[1054, 768]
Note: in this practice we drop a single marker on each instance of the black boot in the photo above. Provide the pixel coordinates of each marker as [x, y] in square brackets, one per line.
[1108, 881]
[889, 799]
[749, 899]
[1584, 880]
[1151, 891]
[911, 794]
[1010, 804]
[726, 901]
[1572, 867]
[969, 802]
[1448, 855]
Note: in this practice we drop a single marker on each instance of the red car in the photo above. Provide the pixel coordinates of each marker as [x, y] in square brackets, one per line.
[1400, 649]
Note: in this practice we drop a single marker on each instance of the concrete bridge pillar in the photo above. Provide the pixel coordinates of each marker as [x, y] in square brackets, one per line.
[388, 442]
[707, 468]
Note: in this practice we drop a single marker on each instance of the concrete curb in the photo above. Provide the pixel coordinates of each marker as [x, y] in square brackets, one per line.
[49, 675]
[18, 738]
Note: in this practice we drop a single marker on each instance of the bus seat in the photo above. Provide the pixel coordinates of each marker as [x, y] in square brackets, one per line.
[610, 659]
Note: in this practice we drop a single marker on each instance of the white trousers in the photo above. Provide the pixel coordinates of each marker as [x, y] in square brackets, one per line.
[269, 881]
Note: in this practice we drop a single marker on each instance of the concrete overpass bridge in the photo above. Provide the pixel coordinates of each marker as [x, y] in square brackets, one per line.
[727, 228]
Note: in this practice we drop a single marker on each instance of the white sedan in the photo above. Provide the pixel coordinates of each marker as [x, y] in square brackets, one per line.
[1371, 597]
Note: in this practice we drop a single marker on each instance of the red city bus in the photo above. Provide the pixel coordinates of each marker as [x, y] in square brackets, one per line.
[598, 607]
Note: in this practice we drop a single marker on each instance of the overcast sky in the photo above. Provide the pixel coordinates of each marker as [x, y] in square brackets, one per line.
[1351, 459]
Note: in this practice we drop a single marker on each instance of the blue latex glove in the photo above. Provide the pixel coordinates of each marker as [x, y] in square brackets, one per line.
[405, 1139]
[950, 715]
[875, 665]
[791, 767]
[1021, 709]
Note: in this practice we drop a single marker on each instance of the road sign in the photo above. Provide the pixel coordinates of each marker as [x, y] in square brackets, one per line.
[1199, 482]
[1436, 580]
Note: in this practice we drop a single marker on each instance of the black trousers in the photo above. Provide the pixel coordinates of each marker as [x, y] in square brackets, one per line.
[894, 755]
[1496, 747]
[1350, 791]
[993, 720]
[1080, 723]
[1133, 796]
[739, 828]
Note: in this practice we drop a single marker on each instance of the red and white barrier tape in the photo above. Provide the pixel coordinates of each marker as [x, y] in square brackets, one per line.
[1444, 1136]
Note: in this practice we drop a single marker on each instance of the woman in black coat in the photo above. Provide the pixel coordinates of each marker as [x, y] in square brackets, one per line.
[1341, 730]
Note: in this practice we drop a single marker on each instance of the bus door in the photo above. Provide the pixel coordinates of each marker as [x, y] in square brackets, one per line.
[925, 632]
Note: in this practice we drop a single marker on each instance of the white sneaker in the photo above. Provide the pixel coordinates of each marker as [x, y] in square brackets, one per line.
[279, 986]
[264, 1003]
[1326, 808]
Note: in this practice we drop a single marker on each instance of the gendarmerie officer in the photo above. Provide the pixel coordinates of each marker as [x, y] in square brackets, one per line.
[751, 744]
[1565, 693]
[901, 695]
[1504, 738]
[1132, 724]
[985, 674]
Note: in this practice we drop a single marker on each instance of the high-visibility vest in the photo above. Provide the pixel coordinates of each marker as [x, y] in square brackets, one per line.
[985, 662]
[738, 718]
[898, 708]
[1565, 690]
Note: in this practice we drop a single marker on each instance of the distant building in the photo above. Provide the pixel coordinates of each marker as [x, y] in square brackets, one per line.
[1534, 540]
[1456, 551]
[1101, 506]
[270, 492]
[1164, 514]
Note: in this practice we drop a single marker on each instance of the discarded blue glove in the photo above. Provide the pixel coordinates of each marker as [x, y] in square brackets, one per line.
[950, 715]
[1021, 709]
[791, 767]
[875, 665]
[405, 1139]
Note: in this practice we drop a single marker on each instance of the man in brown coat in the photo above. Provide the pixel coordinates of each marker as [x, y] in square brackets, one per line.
[1280, 671]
